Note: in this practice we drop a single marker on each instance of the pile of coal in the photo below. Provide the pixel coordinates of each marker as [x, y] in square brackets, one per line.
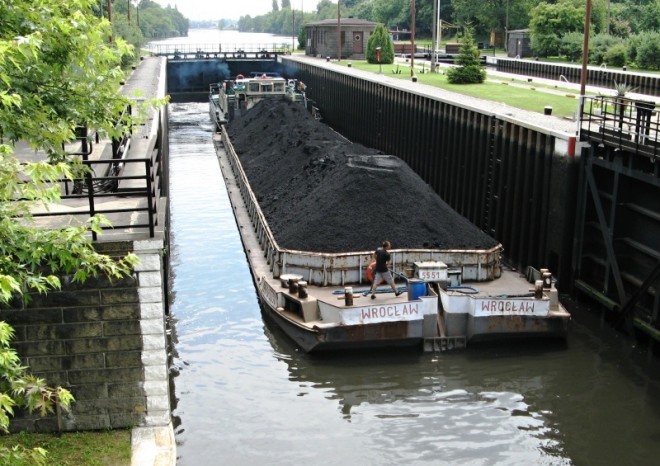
[321, 192]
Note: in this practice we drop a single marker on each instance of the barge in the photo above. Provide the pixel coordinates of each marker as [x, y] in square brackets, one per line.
[229, 98]
[452, 296]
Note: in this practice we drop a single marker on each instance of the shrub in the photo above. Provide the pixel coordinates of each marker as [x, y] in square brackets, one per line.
[648, 51]
[571, 45]
[545, 45]
[633, 43]
[616, 55]
[471, 74]
[598, 46]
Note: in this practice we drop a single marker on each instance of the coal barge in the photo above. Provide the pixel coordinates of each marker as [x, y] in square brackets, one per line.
[453, 295]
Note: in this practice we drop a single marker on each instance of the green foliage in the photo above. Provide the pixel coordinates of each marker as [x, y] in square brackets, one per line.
[615, 55]
[18, 388]
[90, 448]
[599, 45]
[57, 70]
[549, 22]
[648, 51]
[471, 74]
[642, 16]
[571, 45]
[380, 38]
[469, 70]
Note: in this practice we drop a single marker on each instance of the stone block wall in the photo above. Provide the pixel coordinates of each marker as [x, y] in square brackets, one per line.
[103, 340]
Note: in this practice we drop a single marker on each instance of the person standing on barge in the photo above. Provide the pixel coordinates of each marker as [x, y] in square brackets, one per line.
[382, 271]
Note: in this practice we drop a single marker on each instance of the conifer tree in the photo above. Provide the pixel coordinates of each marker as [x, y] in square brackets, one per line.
[469, 70]
[380, 38]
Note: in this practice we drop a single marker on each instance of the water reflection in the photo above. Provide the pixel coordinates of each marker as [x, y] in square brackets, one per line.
[425, 408]
[245, 395]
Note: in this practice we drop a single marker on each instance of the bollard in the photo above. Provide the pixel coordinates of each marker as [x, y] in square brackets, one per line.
[302, 289]
[348, 296]
[547, 280]
[293, 285]
[538, 289]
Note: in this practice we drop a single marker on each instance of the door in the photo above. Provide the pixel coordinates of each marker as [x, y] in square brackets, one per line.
[357, 42]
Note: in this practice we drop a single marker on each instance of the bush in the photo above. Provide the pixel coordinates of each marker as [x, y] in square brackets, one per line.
[616, 55]
[471, 74]
[598, 46]
[633, 43]
[572, 44]
[648, 51]
[545, 45]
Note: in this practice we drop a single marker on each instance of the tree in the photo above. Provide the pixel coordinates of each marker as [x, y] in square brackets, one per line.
[380, 38]
[470, 70]
[57, 71]
[549, 22]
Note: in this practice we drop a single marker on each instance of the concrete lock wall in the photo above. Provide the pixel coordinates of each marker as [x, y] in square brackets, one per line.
[104, 341]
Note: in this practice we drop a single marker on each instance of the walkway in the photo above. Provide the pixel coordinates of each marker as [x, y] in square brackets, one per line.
[152, 445]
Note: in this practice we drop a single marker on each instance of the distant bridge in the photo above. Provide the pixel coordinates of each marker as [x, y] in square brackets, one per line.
[268, 51]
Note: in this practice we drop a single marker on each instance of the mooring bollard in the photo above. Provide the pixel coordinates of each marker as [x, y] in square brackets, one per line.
[348, 296]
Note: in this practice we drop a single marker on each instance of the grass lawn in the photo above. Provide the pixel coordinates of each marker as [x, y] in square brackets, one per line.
[101, 448]
[514, 92]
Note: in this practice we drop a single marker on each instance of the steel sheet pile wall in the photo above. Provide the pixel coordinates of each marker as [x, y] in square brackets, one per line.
[644, 83]
[500, 175]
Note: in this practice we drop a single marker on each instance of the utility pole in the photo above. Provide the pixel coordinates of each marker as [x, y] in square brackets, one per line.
[338, 33]
[412, 37]
[434, 37]
[110, 18]
[585, 60]
[129, 11]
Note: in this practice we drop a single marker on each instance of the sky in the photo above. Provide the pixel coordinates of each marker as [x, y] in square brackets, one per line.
[233, 9]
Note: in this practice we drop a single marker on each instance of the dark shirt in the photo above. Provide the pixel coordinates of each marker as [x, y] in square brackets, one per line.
[382, 258]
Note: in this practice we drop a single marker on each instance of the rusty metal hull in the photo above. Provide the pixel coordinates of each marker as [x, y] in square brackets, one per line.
[383, 335]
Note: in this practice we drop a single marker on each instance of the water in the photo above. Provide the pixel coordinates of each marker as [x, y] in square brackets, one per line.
[246, 396]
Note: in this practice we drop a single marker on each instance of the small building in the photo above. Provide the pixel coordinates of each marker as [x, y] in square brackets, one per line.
[354, 34]
[519, 43]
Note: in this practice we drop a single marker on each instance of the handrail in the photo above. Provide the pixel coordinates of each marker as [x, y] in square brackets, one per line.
[630, 124]
[257, 50]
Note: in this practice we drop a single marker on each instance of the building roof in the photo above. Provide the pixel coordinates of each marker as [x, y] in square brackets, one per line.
[344, 22]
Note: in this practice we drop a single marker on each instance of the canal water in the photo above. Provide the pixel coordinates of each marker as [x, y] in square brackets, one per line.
[244, 395]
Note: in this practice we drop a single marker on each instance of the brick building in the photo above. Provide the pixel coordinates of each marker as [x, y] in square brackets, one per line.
[354, 35]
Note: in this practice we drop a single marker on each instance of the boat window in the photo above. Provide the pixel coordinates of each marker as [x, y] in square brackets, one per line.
[278, 87]
[253, 87]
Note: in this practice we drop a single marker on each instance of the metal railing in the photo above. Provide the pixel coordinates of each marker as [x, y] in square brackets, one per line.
[133, 182]
[623, 123]
[217, 50]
